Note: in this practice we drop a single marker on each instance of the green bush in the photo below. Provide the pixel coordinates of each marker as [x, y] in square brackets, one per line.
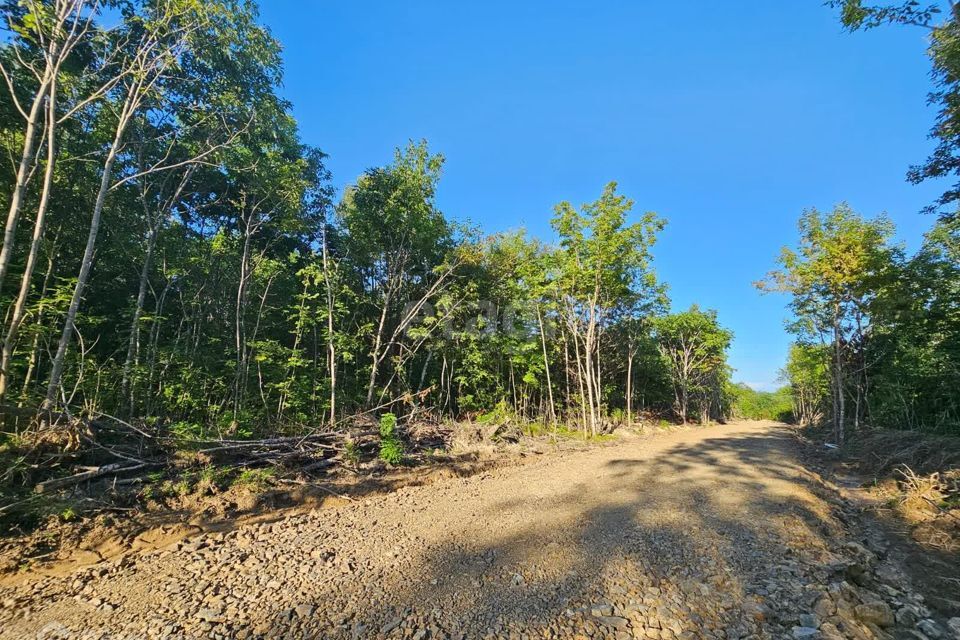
[391, 448]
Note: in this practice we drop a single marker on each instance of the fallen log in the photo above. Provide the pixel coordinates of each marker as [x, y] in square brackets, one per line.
[59, 483]
[238, 445]
[317, 466]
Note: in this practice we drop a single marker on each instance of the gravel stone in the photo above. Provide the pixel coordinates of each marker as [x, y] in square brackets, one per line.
[711, 533]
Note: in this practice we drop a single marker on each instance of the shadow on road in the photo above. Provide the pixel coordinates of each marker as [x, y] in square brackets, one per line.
[695, 536]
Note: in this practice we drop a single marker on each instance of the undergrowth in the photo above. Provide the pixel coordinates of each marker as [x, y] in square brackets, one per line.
[391, 447]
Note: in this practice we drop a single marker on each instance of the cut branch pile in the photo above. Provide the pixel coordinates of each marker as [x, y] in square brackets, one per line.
[311, 451]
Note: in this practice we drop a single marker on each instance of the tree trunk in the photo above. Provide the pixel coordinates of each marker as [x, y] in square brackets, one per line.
[38, 323]
[23, 171]
[133, 344]
[240, 328]
[56, 370]
[629, 384]
[588, 371]
[375, 354]
[331, 344]
[20, 305]
[839, 411]
[546, 366]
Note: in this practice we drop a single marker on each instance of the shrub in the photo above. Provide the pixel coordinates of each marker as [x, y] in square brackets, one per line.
[391, 448]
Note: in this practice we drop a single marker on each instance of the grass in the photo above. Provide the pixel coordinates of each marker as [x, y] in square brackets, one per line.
[254, 478]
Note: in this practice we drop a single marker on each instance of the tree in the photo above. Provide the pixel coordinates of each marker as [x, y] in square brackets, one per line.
[602, 264]
[398, 243]
[695, 345]
[808, 373]
[842, 262]
[162, 31]
[195, 276]
[942, 21]
[915, 344]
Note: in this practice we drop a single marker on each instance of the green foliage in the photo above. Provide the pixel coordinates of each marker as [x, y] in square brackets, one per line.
[916, 340]
[231, 297]
[184, 430]
[500, 414]
[843, 264]
[255, 479]
[391, 447]
[695, 347]
[351, 452]
[762, 405]
[878, 333]
[944, 52]
[808, 373]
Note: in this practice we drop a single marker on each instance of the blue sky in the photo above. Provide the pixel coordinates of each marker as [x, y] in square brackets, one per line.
[726, 118]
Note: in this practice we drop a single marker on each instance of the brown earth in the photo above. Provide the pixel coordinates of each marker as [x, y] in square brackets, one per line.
[719, 532]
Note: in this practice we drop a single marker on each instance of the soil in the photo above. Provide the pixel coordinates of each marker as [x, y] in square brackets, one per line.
[723, 532]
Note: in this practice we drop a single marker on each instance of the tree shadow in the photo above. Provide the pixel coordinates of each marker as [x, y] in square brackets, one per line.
[719, 537]
[691, 540]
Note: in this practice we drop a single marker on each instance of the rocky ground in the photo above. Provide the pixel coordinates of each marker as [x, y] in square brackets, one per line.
[710, 533]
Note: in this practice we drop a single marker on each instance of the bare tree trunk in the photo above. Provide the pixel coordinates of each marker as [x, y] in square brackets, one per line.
[331, 344]
[580, 380]
[20, 305]
[840, 409]
[546, 365]
[629, 384]
[56, 47]
[34, 350]
[133, 344]
[588, 372]
[375, 354]
[154, 223]
[56, 371]
[566, 376]
[240, 328]
[23, 172]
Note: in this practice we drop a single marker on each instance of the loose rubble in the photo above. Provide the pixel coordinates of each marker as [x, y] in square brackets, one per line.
[717, 533]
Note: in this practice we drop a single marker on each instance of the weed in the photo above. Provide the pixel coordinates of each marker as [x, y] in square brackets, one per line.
[498, 415]
[172, 488]
[351, 452]
[186, 430]
[254, 478]
[391, 448]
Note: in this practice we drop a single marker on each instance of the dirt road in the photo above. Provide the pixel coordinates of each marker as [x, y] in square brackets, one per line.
[707, 533]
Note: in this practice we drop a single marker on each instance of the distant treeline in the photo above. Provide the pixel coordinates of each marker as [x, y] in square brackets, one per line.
[751, 404]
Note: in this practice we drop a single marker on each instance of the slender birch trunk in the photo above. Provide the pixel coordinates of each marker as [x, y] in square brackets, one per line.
[546, 365]
[20, 304]
[331, 344]
[69, 325]
[23, 173]
[375, 354]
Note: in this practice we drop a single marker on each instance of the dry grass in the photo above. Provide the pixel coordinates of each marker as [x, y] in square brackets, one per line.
[929, 503]
[918, 474]
[881, 452]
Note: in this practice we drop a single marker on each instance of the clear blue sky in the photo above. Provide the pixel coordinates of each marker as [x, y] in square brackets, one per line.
[726, 118]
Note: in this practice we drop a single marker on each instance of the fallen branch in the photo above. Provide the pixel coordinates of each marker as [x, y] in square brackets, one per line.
[59, 483]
